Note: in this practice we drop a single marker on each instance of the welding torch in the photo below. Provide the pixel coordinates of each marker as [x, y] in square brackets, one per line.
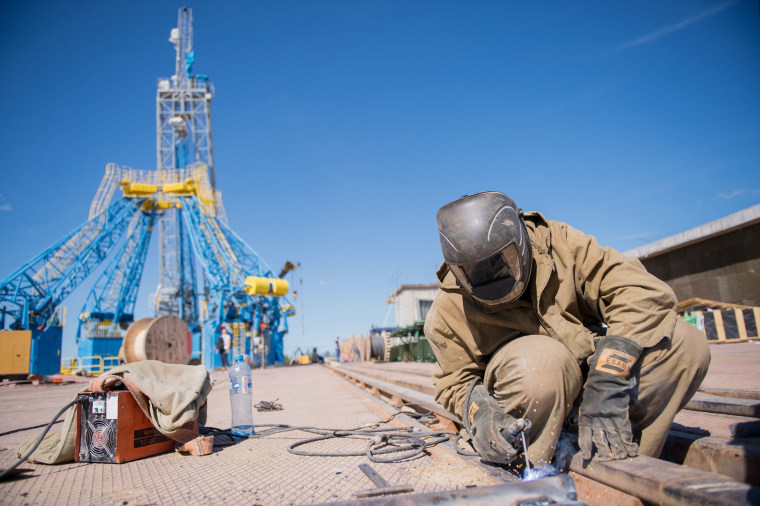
[518, 430]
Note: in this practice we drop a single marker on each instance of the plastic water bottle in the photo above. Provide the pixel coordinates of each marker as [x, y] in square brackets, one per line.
[241, 398]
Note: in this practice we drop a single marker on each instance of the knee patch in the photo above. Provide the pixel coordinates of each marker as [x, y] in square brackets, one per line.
[533, 369]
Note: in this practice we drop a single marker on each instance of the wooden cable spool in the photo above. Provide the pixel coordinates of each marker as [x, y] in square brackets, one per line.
[166, 338]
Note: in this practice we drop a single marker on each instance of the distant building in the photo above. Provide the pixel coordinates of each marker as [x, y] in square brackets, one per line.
[719, 260]
[412, 302]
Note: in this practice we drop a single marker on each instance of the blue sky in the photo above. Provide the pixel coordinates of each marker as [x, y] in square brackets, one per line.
[340, 127]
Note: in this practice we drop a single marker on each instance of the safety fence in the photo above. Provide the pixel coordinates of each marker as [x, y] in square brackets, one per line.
[88, 366]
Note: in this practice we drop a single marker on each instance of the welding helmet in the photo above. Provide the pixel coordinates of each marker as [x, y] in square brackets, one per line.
[486, 246]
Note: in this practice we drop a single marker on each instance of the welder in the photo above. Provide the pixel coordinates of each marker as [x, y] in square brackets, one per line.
[538, 328]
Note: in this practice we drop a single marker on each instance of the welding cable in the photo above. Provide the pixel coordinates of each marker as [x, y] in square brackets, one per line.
[8, 471]
[23, 429]
[411, 435]
[418, 446]
[415, 440]
[462, 451]
[410, 439]
[416, 443]
[427, 417]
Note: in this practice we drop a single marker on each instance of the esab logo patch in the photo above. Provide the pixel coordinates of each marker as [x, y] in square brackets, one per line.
[615, 362]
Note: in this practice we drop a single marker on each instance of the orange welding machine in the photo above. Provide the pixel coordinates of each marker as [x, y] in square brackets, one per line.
[112, 428]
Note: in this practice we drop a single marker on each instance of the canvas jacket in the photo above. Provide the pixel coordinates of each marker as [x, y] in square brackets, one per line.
[575, 288]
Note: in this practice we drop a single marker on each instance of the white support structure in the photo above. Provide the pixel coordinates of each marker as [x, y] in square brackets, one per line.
[183, 136]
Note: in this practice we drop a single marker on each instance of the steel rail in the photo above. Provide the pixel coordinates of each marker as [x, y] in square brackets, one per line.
[649, 479]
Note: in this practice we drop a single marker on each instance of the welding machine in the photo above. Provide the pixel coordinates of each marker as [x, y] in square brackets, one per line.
[112, 428]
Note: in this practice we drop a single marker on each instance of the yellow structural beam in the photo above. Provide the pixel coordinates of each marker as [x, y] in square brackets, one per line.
[137, 189]
[255, 285]
[183, 188]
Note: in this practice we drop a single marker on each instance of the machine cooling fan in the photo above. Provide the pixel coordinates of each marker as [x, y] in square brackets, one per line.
[101, 440]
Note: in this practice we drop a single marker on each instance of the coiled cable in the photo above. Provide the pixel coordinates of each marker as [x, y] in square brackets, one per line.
[409, 441]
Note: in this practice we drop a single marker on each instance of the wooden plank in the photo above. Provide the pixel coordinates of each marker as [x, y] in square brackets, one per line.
[740, 327]
[696, 302]
[724, 405]
[719, 325]
[660, 482]
[737, 460]
[731, 392]
[592, 492]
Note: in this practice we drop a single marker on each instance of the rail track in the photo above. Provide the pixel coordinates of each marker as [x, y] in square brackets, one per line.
[712, 455]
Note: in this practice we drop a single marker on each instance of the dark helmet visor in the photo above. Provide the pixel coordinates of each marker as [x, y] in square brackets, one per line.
[486, 245]
[495, 279]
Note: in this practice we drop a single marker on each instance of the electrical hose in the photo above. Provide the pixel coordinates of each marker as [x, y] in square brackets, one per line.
[8, 471]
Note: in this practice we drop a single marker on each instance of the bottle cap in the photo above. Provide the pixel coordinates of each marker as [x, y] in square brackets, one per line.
[239, 358]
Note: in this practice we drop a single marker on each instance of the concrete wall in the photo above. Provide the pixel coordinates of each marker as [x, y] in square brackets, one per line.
[407, 300]
[725, 267]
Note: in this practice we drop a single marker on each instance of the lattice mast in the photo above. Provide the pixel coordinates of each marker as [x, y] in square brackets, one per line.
[239, 288]
[183, 136]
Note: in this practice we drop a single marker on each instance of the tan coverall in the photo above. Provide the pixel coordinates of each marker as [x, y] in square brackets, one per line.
[532, 355]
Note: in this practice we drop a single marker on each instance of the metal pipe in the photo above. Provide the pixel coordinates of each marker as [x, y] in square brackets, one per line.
[555, 490]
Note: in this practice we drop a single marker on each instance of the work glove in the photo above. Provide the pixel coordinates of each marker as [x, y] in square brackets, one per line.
[494, 433]
[603, 417]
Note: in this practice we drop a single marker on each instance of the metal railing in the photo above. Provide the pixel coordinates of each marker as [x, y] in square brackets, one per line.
[94, 365]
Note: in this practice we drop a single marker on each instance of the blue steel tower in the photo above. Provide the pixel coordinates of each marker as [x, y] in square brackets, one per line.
[196, 244]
